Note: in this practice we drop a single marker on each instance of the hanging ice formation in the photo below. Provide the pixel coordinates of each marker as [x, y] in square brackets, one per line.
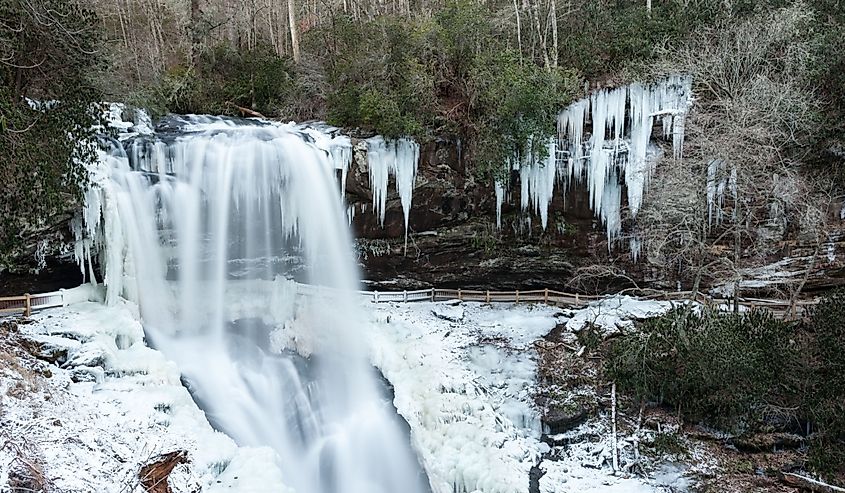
[619, 147]
[399, 157]
[719, 181]
[537, 179]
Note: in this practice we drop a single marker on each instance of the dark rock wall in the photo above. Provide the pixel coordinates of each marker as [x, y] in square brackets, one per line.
[453, 240]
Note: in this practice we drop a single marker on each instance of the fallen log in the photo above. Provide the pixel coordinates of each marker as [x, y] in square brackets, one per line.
[153, 476]
[809, 484]
[245, 111]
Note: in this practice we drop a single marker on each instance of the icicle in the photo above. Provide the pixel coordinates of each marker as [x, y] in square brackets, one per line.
[401, 158]
[570, 125]
[341, 154]
[537, 182]
[636, 248]
[350, 213]
[380, 159]
[611, 150]
[500, 198]
[712, 168]
[611, 210]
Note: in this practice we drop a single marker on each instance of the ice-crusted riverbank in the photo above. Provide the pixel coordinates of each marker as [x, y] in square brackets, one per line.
[108, 405]
[464, 377]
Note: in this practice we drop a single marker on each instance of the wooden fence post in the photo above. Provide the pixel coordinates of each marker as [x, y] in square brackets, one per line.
[405, 296]
[27, 305]
[546, 296]
[487, 296]
[375, 296]
[577, 302]
[460, 297]
[432, 294]
[517, 296]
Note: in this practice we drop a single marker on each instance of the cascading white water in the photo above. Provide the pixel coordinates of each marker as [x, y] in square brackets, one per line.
[205, 226]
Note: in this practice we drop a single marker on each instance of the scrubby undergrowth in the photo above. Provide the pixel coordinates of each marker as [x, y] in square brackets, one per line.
[747, 374]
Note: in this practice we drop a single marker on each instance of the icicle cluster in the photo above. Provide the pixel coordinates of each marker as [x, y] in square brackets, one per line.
[617, 151]
[719, 181]
[399, 157]
[341, 155]
[537, 179]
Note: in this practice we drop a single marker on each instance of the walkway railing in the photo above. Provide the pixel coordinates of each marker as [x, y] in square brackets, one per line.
[782, 308]
[28, 303]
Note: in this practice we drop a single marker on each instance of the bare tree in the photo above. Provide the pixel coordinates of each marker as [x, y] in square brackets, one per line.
[737, 192]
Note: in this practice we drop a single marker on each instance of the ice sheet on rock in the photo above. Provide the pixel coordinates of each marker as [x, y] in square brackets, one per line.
[617, 313]
[467, 402]
[450, 313]
[721, 181]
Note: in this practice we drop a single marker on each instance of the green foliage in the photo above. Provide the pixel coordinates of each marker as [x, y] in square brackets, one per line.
[718, 367]
[748, 372]
[826, 406]
[376, 77]
[603, 38]
[48, 51]
[449, 74]
[224, 78]
[669, 444]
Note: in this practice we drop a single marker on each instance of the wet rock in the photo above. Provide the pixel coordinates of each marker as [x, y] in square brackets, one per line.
[50, 348]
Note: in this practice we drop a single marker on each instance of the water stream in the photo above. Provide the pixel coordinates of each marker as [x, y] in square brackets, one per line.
[205, 225]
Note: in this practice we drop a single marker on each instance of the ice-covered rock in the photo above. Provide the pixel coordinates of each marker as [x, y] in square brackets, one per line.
[448, 312]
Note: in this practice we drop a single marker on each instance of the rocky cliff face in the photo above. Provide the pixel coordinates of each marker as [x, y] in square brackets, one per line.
[454, 242]
[453, 239]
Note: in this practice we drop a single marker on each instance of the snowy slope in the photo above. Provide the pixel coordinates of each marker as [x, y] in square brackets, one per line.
[93, 436]
[463, 375]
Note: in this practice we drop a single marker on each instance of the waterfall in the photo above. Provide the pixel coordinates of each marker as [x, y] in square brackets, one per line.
[207, 224]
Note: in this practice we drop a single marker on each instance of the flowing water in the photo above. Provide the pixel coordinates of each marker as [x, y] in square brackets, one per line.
[206, 225]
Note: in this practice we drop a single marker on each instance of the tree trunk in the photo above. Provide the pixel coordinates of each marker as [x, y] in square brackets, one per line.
[294, 36]
[553, 15]
[518, 28]
[195, 34]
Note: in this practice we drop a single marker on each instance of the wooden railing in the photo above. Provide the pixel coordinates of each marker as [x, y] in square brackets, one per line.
[782, 308]
[27, 303]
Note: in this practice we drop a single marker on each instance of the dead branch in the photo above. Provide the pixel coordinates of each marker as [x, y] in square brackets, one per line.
[154, 475]
[809, 484]
[245, 111]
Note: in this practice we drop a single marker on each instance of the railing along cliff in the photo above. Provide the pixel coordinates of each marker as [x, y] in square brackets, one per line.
[27, 303]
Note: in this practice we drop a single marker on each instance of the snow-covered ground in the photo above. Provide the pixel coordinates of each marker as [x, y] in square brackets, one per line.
[114, 405]
[463, 375]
